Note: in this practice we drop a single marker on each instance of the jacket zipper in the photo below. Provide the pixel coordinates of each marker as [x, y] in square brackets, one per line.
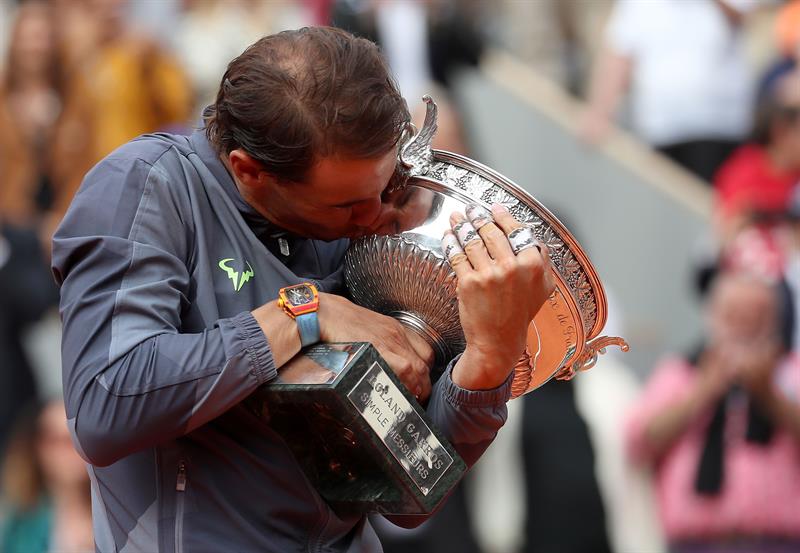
[180, 487]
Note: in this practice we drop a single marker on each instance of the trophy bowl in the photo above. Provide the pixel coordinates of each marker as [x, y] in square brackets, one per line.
[402, 271]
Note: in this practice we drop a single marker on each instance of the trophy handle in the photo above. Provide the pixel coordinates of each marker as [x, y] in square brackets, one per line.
[417, 156]
[589, 356]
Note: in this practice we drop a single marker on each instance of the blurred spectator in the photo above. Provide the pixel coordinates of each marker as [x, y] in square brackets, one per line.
[559, 475]
[424, 42]
[47, 487]
[547, 35]
[30, 106]
[758, 180]
[787, 29]
[27, 290]
[684, 65]
[213, 32]
[787, 39]
[121, 85]
[5, 24]
[722, 428]
[792, 267]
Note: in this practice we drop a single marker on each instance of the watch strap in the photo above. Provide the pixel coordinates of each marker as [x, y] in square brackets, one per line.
[308, 327]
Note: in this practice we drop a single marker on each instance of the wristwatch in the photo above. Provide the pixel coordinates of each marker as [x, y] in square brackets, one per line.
[301, 302]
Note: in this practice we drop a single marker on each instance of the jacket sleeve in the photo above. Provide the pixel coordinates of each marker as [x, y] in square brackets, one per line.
[468, 419]
[131, 379]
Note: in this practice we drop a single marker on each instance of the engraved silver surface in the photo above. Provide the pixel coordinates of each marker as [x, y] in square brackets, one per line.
[403, 274]
[401, 429]
[407, 273]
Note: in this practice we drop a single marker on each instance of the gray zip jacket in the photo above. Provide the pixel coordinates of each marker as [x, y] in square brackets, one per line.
[159, 350]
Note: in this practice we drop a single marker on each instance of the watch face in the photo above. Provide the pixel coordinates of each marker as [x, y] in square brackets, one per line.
[300, 295]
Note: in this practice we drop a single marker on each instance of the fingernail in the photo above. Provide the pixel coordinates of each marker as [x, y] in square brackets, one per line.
[456, 217]
[499, 208]
[479, 216]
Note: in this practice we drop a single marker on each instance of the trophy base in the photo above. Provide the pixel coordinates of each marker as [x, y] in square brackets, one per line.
[359, 435]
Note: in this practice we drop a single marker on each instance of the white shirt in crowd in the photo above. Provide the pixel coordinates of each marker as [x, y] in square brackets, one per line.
[690, 79]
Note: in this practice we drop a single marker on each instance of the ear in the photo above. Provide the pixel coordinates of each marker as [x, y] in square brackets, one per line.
[248, 172]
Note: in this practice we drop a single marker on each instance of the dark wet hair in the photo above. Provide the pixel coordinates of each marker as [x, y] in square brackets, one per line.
[298, 95]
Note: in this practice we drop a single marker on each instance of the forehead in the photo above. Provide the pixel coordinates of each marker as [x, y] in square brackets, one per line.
[342, 179]
[740, 291]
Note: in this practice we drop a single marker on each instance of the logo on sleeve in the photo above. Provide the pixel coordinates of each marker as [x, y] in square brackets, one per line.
[236, 277]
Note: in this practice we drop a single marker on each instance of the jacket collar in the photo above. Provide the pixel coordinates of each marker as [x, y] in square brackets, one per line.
[257, 222]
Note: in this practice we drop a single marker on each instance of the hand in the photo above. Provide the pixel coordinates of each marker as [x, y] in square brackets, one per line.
[499, 293]
[754, 366]
[715, 375]
[407, 353]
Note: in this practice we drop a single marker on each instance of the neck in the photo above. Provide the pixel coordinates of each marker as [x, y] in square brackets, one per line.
[243, 192]
[227, 164]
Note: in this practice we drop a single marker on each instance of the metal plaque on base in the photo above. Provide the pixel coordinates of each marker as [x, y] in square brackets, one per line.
[360, 436]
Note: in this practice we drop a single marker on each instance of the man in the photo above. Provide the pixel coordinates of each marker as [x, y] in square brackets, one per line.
[171, 259]
[685, 67]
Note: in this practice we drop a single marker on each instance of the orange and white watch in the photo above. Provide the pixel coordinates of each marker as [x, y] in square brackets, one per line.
[301, 303]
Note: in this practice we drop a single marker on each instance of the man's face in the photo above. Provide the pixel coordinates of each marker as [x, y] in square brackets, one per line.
[742, 311]
[340, 198]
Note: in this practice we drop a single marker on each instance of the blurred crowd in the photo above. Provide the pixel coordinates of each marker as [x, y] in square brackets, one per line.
[706, 457]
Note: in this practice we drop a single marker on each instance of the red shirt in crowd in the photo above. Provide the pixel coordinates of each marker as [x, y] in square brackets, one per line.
[748, 182]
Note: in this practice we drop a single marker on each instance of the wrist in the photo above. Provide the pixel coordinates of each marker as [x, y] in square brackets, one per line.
[326, 312]
[300, 302]
[707, 392]
[477, 370]
[279, 330]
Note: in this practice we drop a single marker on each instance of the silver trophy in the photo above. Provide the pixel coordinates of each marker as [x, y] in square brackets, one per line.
[362, 439]
[403, 273]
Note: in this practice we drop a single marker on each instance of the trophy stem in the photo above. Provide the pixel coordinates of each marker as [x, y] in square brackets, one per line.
[425, 330]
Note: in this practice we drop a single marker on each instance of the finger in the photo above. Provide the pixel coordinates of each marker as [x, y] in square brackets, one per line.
[455, 255]
[544, 251]
[520, 236]
[420, 364]
[422, 384]
[470, 240]
[495, 239]
[421, 347]
[400, 367]
[478, 216]
[504, 219]
[426, 390]
[414, 380]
